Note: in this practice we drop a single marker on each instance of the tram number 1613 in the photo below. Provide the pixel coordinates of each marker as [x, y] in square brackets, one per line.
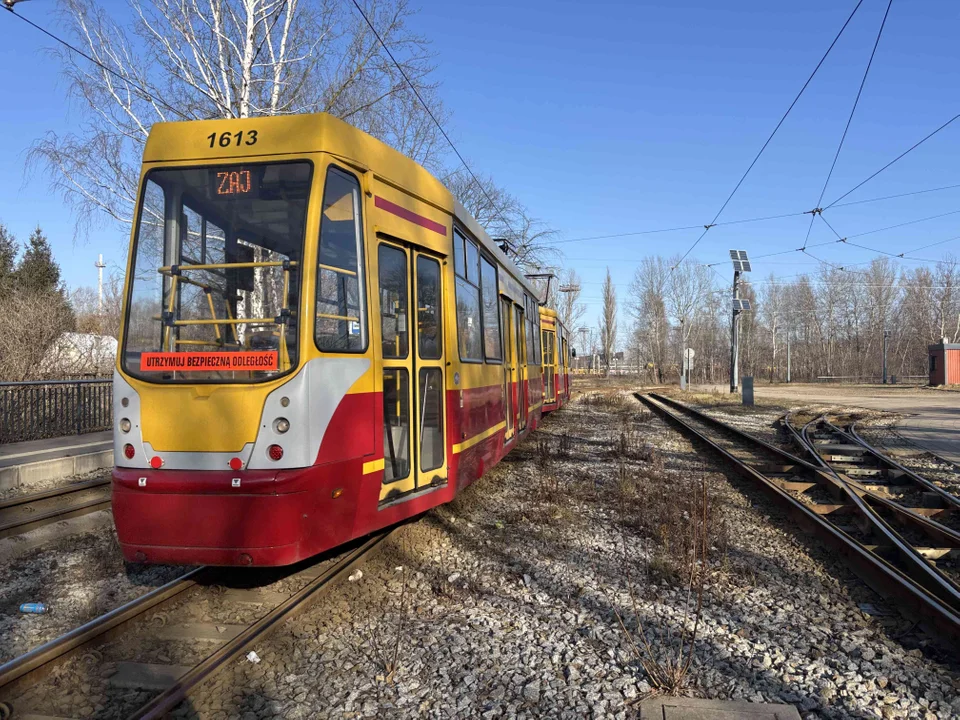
[226, 139]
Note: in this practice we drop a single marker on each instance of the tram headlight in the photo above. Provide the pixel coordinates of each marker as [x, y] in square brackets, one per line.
[281, 425]
[125, 425]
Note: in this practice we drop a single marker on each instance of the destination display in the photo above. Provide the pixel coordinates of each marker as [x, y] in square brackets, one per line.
[207, 361]
[236, 182]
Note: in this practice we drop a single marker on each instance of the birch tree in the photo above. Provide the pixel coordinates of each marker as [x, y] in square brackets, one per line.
[186, 59]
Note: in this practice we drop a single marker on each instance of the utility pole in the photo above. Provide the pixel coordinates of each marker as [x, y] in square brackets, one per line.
[886, 334]
[734, 334]
[740, 265]
[99, 265]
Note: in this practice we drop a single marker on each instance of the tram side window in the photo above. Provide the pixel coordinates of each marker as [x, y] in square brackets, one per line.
[533, 331]
[469, 329]
[492, 346]
[340, 322]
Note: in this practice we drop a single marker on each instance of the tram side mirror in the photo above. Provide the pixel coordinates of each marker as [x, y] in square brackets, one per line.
[573, 352]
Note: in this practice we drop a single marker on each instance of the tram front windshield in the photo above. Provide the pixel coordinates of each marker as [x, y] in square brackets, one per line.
[216, 273]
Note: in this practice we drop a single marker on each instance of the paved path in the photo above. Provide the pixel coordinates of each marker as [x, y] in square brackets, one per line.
[53, 448]
[932, 416]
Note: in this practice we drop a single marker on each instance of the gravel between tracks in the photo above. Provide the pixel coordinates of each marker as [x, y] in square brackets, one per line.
[509, 596]
[76, 569]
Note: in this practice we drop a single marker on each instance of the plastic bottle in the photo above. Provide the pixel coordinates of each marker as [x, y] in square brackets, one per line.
[33, 608]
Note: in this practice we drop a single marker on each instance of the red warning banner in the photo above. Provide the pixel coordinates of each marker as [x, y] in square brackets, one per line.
[201, 361]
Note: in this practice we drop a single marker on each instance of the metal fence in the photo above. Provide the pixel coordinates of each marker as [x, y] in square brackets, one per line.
[43, 409]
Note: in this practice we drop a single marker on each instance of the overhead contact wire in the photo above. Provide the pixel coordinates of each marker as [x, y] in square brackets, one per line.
[433, 117]
[863, 81]
[706, 228]
[139, 88]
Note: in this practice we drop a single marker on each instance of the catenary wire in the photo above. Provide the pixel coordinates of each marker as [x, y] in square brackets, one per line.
[139, 88]
[892, 197]
[896, 159]
[863, 81]
[772, 134]
[433, 117]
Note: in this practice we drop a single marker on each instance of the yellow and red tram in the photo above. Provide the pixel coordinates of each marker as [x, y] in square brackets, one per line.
[318, 342]
[556, 360]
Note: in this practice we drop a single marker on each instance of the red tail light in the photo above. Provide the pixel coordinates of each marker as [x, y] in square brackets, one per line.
[236, 464]
[275, 452]
[128, 451]
[156, 462]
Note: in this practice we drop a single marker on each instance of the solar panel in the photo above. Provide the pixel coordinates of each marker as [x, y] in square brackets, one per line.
[741, 304]
[745, 304]
[740, 261]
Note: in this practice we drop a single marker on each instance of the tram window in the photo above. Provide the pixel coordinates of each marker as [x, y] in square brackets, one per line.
[431, 422]
[468, 321]
[459, 262]
[429, 327]
[473, 256]
[533, 332]
[340, 322]
[394, 330]
[469, 328]
[492, 346]
[396, 424]
[214, 244]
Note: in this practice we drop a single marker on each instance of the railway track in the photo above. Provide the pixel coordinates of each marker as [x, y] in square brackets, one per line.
[885, 543]
[26, 512]
[843, 452]
[134, 662]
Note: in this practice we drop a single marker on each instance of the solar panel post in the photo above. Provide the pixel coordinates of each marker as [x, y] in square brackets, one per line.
[741, 264]
[735, 333]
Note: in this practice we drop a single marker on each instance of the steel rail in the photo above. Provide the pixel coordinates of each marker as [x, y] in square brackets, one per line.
[919, 567]
[941, 617]
[174, 695]
[935, 530]
[949, 498]
[55, 492]
[58, 647]
[24, 524]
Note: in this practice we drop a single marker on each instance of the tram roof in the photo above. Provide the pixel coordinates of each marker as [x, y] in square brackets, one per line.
[319, 132]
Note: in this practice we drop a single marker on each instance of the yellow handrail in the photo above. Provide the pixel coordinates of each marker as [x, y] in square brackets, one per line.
[167, 269]
[331, 268]
[231, 321]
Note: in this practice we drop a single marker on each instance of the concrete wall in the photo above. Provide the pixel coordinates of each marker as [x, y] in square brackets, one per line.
[31, 473]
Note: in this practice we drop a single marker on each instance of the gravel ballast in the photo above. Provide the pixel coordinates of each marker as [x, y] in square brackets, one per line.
[505, 603]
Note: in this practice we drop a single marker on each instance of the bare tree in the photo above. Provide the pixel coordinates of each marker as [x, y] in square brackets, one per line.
[228, 59]
[608, 320]
[569, 308]
[647, 292]
[687, 291]
[30, 324]
[91, 317]
[505, 218]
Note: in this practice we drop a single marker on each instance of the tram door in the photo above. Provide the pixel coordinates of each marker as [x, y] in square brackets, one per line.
[509, 367]
[411, 329]
[520, 336]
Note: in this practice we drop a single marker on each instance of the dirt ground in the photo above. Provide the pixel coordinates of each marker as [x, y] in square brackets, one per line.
[930, 418]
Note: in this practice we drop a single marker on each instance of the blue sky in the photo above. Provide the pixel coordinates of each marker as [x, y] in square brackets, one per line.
[607, 118]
